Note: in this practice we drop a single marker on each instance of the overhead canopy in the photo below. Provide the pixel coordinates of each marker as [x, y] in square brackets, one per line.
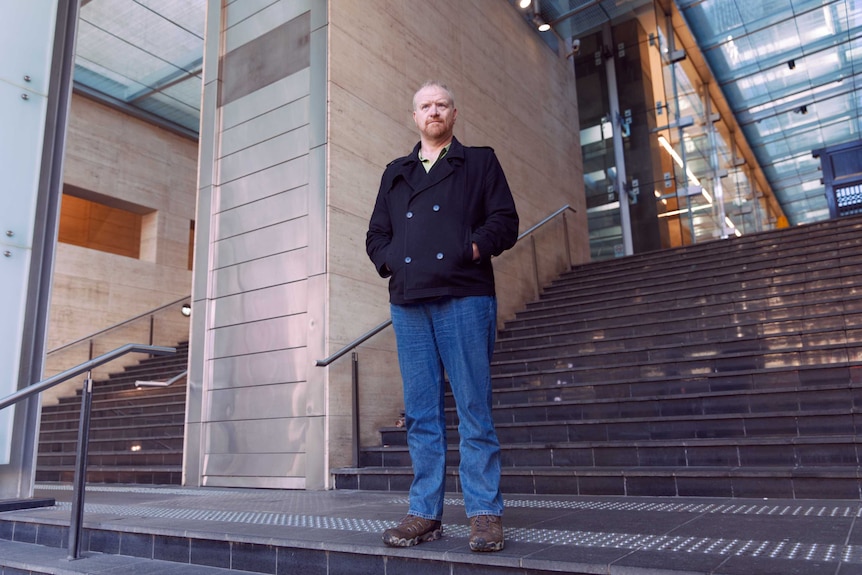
[787, 69]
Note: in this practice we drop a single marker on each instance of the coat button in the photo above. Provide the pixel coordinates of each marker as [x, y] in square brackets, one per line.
[439, 255]
[408, 259]
[409, 215]
[436, 208]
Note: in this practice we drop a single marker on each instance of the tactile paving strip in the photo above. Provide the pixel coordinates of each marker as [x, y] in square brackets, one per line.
[795, 510]
[783, 549]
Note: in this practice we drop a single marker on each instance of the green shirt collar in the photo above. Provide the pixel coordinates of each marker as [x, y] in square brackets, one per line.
[427, 163]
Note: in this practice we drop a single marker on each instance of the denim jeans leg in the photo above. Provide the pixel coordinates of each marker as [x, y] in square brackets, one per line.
[424, 416]
[466, 329]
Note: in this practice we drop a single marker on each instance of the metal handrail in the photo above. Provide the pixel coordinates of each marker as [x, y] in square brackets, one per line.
[375, 330]
[120, 324]
[532, 229]
[353, 344]
[167, 383]
[77, 520]
[84, 367]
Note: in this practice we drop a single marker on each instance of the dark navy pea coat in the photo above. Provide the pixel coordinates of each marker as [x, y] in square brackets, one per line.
[423, 226]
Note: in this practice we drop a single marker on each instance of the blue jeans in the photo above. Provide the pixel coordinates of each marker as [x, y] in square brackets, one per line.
[456, 335]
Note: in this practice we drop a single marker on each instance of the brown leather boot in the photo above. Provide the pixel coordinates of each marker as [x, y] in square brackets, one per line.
[411, 531]
[486, 533]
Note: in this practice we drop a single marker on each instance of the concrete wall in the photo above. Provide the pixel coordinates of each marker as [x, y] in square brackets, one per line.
[124, 162]
[512, 93]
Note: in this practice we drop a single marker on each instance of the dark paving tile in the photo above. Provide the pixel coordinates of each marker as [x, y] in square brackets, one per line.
[172, 549]
[136, 545]
[768, 527]
[665, 563]
[751, 565]
[578, 559]
[351, 564]
[102, 541]
[25, 532]
[211, 553]
[52, 535]
[253, 557]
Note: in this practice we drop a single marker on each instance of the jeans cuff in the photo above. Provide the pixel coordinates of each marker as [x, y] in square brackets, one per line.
[478, 513]
[425, 515]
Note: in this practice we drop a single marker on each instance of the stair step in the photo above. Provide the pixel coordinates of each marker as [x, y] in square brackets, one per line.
[789, 482]
[136, 434]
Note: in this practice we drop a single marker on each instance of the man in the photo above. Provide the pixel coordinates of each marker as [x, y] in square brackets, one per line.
[441, 213]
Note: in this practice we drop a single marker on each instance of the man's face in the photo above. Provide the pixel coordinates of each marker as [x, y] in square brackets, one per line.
[434, 113]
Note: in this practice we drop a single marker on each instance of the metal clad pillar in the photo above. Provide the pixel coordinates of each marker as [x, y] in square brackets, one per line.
[619, 152]
[36, 57]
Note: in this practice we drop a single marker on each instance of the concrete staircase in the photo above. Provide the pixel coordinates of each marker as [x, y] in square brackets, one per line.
[136, 435]
[726, 369]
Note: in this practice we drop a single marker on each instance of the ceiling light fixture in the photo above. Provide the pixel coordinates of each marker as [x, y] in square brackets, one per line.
[540, 23]
[524, 4]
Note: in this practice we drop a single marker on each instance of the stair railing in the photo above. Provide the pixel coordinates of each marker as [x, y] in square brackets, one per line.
[76, 523]
[141, 383]
[375, 330]
[162, 325]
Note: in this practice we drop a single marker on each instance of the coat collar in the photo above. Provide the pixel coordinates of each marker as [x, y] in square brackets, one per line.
[414, 174]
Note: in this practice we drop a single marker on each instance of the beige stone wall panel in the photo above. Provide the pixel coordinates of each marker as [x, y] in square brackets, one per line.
[512, 93]
[121, 161]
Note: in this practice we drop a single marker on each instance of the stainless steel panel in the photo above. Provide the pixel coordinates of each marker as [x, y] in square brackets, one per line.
[319, 13]
[246, 21]
[287, 236]
[266, 126]
[268, 212]
[264, 155]
[268, 98]
[317, 454]
[285, 299]
[192, 455]
[259, 402]
[318, 329]
[317, 232]
[200, 263]
[265, 272]
[259, 336]
[285, 176]
[255, 465]
[255, 482]
[212, 41]
[282, 366]
[197, 358]
[208, 138]
[281, 436]
[319, 77]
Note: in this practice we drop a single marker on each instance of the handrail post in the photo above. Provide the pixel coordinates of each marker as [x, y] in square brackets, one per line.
[566, 237]
[355, 381]
[76, 525]
[536, 266]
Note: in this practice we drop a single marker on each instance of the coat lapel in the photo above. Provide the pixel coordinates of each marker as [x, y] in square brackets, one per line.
[420, 181]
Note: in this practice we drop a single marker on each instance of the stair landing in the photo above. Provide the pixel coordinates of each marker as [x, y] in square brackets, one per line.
[319, 533]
